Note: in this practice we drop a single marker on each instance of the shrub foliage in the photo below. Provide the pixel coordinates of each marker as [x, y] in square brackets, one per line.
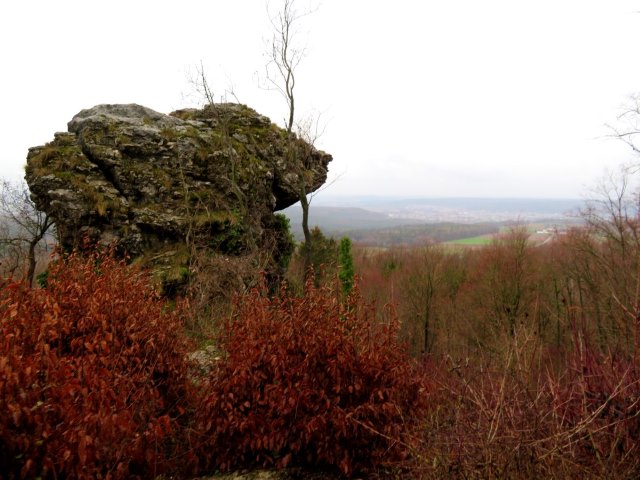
[309, 382]
[92, 374]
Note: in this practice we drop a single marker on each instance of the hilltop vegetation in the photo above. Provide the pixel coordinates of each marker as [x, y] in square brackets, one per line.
[509, 361]
[533, 350]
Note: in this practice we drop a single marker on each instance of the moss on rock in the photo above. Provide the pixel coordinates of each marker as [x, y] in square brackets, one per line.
[155, 183]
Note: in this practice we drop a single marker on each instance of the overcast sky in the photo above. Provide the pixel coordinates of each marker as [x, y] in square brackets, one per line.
[419, 98]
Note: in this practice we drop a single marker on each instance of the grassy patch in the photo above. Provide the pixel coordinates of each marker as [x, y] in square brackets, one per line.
[479, 240]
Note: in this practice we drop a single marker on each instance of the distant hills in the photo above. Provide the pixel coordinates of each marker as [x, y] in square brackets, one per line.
[338, 219]
[388, 221]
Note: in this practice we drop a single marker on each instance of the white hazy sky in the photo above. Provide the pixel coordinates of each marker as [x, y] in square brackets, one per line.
[492, 98]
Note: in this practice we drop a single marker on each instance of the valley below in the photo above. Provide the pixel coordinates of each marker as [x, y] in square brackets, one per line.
[389, 221]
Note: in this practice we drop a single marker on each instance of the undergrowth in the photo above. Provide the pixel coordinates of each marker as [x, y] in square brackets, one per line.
[310, 382]
[92, 374]
[95, 382]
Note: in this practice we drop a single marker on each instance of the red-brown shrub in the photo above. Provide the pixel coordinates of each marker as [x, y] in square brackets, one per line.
[309, 382]
[540, 420]
[92, 374]
[596, 408]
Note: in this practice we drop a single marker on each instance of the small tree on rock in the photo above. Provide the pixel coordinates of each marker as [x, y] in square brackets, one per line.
[284, 57]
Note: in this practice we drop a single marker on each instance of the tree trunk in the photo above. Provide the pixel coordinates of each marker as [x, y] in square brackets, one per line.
[32, 261]
[33, 244]
[304, 203]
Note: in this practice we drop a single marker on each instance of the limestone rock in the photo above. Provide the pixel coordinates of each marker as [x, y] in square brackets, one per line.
[154, 184]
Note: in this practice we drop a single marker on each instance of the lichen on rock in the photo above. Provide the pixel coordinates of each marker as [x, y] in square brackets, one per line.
[156, 185]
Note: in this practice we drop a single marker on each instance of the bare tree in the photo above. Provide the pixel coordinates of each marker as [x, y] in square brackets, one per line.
[201, 85]
[627, 125]
[285, 55]
[421, 287]
[606, 266]
[202, 91]
[24, 228]
[613, 247]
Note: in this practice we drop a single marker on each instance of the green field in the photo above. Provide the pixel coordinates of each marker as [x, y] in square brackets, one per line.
[479, 240]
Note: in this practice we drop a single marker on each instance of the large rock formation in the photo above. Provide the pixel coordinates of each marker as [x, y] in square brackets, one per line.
[157, 185]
